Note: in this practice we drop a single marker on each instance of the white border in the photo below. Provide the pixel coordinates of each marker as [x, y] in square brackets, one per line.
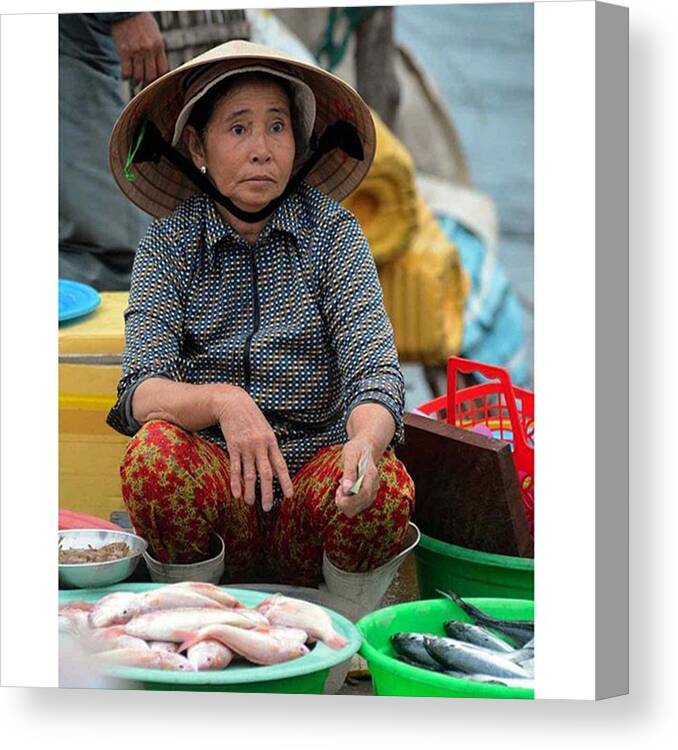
[564, 344]
[29, 388]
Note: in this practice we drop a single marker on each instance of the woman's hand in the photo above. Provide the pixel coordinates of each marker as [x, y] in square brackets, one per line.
[370, 427]
[353, 452]
[252, 446]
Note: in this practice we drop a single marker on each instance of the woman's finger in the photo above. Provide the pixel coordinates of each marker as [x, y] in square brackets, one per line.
[266, 477]
[351, 505]
[236, 483]
[249, 477]
[350, 455]
[344, 503]
[280, 468]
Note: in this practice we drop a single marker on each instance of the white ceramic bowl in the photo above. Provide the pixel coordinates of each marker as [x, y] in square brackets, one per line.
[96, 575]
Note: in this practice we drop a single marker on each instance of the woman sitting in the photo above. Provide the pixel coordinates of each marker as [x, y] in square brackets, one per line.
[260, 378]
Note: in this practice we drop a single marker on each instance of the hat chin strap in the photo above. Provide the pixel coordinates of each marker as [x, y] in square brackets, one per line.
[151, 146]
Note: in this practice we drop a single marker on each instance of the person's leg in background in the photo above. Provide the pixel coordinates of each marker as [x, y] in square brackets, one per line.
[99, 229]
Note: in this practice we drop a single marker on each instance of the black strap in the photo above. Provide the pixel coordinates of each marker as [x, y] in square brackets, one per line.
[151, 146]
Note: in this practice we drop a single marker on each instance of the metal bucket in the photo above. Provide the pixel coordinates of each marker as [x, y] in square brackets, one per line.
[209, 571]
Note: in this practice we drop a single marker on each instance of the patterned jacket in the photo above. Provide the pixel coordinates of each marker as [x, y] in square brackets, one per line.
[297, 319]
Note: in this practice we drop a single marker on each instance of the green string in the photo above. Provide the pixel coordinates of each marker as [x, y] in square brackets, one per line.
[127, 169]
[334, 52]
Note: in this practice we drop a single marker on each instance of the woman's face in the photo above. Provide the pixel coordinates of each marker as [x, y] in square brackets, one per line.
[248, 145]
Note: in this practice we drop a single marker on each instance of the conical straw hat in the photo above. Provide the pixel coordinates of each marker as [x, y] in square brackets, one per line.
[159, 186]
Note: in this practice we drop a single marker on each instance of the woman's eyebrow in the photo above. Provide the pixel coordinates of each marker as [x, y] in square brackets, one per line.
[246, 111]
[237, 113]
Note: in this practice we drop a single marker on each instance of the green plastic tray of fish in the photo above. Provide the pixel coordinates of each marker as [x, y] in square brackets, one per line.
[250, 677]
[391, 676]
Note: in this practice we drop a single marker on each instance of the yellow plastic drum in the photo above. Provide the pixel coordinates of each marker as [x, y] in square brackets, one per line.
[385, 201]
[90, 452]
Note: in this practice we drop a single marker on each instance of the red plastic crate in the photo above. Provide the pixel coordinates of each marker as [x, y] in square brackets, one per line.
[495, 408]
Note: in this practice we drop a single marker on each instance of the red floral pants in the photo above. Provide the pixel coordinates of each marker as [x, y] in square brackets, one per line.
[176, 487]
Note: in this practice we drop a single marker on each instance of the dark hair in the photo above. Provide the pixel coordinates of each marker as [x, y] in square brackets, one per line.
[204, 108]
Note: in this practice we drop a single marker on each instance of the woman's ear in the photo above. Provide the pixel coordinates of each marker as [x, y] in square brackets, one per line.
[194, 145]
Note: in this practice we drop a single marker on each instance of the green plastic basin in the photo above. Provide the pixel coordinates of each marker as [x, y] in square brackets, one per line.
[393, 677]
[470, 572]
[304, 675]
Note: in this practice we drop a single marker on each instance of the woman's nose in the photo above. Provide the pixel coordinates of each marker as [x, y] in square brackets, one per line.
[261, 151]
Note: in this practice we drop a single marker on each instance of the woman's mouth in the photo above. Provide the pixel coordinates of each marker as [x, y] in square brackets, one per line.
[259, 178]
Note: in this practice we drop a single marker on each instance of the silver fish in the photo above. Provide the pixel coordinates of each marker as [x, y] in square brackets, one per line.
[514, 682]
[521, 631]
[411, 647]
[521, 655]
[477, 635]
[528, 666]
[465, 657]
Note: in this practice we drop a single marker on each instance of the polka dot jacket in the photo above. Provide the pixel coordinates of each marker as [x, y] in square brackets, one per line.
[297, 319]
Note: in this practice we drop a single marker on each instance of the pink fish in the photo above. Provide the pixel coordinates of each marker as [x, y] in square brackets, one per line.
[74, 621]
[74, 605]
[175, 597]
[147, 658]
[288, 636]
[116, 609]
[258, 645]
[121, 606]
[210, 591]
[110, 638]
[173, 624]
[294, 613]
[168, 646]
[209, 655]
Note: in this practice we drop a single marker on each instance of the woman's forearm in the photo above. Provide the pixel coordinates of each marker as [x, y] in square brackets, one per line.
[193, 407]
[374, 423]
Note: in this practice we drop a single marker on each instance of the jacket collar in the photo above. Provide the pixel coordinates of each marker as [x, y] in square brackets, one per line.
[289, 218]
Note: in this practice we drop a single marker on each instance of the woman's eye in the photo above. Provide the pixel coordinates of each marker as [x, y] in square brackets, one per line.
[278, 127]
[237, 130]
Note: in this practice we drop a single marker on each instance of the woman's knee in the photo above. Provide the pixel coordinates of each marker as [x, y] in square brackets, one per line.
[152, 457]
[396, 488]
[156, 438]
